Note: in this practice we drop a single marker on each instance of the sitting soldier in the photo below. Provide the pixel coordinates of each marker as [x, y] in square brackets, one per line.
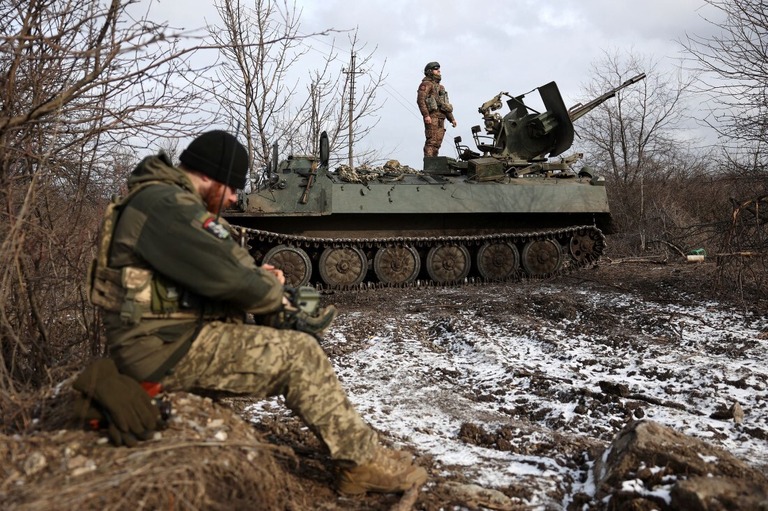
[175, 289]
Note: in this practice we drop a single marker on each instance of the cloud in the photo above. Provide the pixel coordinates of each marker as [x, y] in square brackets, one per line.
[484, 48]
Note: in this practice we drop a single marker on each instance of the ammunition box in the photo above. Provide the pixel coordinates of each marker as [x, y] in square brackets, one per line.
[485, 169]
[441, 165]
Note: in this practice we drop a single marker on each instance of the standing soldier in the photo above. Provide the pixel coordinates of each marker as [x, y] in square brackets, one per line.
[435, 108]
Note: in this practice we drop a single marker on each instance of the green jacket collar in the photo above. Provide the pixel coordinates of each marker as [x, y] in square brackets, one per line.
[159, 168]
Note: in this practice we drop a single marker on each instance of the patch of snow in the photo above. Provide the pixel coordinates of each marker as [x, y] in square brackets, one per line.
[428, 372]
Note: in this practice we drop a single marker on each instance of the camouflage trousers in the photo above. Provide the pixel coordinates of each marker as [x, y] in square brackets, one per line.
[434, 132]
[262, 362]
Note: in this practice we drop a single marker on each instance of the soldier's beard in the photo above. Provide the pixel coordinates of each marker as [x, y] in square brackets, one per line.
[212, 198]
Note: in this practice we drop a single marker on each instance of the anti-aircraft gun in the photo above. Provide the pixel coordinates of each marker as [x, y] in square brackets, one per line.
[523, 141]
[501, 213]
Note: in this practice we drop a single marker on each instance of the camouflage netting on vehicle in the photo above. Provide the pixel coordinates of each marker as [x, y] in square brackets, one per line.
[390, 171]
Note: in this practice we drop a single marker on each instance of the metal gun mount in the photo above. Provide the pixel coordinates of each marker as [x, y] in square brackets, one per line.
[523, 139]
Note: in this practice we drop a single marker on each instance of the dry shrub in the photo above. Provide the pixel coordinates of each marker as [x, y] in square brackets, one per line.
[743, 253]
[208, 458]
[744, 278]
[668, 218]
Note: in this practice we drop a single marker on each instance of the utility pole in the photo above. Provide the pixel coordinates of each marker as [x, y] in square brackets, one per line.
[313, 122]
[351, 72]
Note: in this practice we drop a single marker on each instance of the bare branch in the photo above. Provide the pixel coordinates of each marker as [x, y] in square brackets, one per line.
[733, 66]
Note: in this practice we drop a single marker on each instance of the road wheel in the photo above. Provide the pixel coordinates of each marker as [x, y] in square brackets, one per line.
[448, 263]
[294, 262]
[498, 261]
[542, 257]
[342, 266]
[396, 265]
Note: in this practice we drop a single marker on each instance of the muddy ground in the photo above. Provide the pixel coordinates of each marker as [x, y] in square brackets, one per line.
[506, 393]
[517, 388]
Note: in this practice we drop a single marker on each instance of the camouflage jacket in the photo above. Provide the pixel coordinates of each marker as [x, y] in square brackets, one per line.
[198, 271]
[433, 99]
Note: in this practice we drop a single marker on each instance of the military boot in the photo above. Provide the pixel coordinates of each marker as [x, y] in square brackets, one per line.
[387, 472]
[399, 455]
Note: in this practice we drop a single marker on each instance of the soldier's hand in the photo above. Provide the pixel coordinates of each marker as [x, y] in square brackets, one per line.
[276, 272]
[454, 123]
[427, 120]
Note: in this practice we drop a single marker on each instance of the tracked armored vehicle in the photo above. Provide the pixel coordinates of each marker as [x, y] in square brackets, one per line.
[509, 209]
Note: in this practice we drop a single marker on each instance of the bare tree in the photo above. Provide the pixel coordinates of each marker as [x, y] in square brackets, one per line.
[733, 76]
[633, 139]
[270, 93]
[258, 47]
[632, 135]
[731, 62]
[335, 116]
[81, 82]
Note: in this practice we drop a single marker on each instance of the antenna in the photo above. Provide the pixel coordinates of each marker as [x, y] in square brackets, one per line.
[229, 169]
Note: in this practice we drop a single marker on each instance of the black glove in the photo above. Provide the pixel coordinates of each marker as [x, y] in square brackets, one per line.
[117, 400]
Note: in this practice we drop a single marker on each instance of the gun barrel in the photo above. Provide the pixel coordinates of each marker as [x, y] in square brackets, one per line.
[580, 110]
[632, 80]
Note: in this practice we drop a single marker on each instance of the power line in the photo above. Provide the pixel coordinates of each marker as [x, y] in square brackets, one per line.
[407, 106]
[391, 91]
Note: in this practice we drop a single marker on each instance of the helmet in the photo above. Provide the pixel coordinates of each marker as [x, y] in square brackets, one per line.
[429, 67]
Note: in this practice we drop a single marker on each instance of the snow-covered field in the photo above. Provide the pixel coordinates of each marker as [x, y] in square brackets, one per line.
[511, 387]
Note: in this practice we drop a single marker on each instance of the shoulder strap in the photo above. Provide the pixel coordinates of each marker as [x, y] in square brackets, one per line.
[103, 281]
[111, 215]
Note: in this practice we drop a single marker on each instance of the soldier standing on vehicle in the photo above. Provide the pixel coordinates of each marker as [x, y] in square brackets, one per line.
[435, 108]
[176, 287]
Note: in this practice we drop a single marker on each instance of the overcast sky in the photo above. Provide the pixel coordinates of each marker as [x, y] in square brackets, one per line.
[483, 48]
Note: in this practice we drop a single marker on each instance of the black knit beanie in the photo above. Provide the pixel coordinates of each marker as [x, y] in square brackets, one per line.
[218, 155]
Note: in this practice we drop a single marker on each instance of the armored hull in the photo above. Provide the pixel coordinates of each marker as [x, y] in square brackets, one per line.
[399, 229]
[510, 209]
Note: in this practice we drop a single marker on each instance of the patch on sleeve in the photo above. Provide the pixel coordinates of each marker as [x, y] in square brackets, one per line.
[210, 225]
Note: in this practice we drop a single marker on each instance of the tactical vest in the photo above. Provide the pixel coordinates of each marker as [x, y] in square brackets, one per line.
[437, 100]
[443, 103]
[137, 293]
